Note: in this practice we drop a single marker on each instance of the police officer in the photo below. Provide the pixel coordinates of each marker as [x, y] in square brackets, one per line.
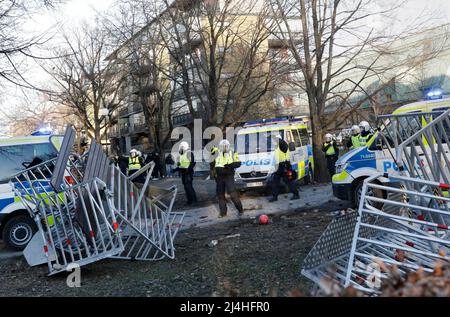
[225, 164]
[354, 141]
[331, 151]
[135, 163]
[283, 165]
[365, 134]
[185, 166]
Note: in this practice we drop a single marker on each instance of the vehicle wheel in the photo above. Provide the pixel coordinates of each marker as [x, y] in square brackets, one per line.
[18, 232]
[372, 192]
[310, 177]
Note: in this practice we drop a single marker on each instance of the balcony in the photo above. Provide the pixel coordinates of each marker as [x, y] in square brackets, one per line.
[139, 127]
[124, 130]
[182, 119]
[131, 109]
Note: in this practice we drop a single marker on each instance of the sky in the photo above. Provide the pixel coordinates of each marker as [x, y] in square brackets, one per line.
[73, 12]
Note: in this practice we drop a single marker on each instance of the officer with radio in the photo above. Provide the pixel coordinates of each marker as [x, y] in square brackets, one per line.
[331, 151]
[284, 170]
[225, 164]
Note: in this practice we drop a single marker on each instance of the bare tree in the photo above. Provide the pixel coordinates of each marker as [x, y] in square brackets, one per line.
[219, 58]
[339, 55]
[141, 55]
[83, 81]
[36, 112]
[14, 44]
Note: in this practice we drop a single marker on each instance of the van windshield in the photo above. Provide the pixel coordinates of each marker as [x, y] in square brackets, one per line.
[16, 158]
[257, 142]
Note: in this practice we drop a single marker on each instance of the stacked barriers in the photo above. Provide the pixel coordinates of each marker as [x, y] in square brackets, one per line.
[148, 225]
[396, 230]
[407, 227]
[83, 215]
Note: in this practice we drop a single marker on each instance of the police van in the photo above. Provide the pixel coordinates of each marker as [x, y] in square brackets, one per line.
[16, 154]
[358, 164]
[255, 147]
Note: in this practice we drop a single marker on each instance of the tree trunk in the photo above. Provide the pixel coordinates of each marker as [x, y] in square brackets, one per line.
[320, 164]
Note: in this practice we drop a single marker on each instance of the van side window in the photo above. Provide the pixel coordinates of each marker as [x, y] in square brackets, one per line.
[304, 136]
[289, 138]
[15, 158]
[297, 140]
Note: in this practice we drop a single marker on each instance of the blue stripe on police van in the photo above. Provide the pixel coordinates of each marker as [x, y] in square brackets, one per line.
[361, 159]
[5, 202]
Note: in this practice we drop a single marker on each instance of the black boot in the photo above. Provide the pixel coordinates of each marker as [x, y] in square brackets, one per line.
[273, 199]
[295, 197]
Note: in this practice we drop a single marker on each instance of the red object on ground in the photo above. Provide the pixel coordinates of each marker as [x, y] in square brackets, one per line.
[263, 220]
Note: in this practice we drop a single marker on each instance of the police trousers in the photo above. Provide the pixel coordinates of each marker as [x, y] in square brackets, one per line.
[187, 180]
[331, 164]
[226, 183]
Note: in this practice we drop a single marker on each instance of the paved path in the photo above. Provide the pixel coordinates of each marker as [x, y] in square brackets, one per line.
[310, 197]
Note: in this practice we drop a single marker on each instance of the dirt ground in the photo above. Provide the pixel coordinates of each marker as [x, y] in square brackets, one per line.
[264, 260]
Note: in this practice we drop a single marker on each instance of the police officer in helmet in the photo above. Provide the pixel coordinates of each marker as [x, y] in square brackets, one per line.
[225, 164]
[353, 142]
[135, 163]
[185, 166]
[331, 151]
[284, 170]
[365, 134]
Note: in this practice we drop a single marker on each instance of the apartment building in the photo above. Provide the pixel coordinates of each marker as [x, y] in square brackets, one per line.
[246, 74]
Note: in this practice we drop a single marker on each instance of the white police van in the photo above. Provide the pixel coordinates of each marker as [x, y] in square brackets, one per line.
[255, 146]
[16, 154]
[358, 164]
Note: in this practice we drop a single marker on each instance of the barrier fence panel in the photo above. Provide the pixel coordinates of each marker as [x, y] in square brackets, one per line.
[77, 226]
[147, 222]
[87, 210]
[405, 231]
[418, 143]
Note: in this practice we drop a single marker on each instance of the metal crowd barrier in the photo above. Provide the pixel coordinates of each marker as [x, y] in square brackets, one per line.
[147, 223]
[87, 210]
[407, 226]
[77, 225]
[407, 231]
[418, 143]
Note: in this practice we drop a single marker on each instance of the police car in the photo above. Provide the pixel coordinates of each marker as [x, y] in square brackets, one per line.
[16, 154]
[255, 146]
[358, 164]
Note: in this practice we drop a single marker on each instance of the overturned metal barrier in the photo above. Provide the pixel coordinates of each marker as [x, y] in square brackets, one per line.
[148, 225]
[77, 226]
[401, 229]
[84, 214]
[418, 143]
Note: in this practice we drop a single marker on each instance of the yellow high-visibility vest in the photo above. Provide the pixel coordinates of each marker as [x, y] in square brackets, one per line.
[330, 150]
[184, 160]
[363, 140]
[226, 158]
[356, 142]
[133, 163]
[280, 156]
